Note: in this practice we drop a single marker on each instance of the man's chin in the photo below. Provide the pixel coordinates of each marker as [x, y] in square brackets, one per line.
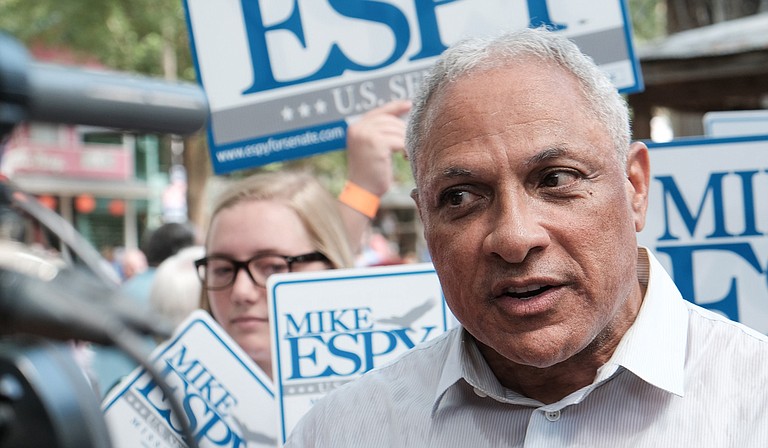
[538, 353]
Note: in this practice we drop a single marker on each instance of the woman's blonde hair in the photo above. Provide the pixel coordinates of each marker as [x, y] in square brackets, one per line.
[302, 192]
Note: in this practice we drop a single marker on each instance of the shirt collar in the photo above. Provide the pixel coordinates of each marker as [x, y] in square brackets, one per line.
[653, 348]
[465, 362]
[453, 368]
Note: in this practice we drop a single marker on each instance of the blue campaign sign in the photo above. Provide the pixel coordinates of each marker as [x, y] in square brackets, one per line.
[226, 398]
[283, 77]
[707, 222]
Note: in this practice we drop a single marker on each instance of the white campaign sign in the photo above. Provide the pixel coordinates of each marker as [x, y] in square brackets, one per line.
[282, 77]
[332, 326]
[736, 123]
[227, 398]
[707, 222]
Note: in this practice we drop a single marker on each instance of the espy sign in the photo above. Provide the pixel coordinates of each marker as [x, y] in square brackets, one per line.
[329, 327]
[707, 222]
[283, 76]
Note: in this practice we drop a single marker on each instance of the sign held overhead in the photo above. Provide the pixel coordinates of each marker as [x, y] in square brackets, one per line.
[282, 78]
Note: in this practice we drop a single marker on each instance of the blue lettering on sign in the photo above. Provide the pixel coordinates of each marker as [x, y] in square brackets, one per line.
[683, 273]
[682, 255]
[362, 350]
[345, 335]
[205, 401]
[337, 61]
[317, 322]
[538, 11]
[714, 190]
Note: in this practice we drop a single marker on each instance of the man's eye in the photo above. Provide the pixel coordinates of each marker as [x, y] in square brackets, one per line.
[456, 198]
[556, 179]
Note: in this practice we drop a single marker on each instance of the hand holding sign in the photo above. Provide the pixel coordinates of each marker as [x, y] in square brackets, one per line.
[371, 141]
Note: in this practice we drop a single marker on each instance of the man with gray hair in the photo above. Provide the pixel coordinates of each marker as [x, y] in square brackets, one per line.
[531, 195]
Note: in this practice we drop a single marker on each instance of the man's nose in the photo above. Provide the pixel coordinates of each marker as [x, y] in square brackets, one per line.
[516, 228]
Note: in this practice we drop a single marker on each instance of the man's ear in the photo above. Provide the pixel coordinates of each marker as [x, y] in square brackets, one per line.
[415, 197]
[638, 175]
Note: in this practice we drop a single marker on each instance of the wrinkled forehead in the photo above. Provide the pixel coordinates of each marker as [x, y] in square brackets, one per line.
[496, 98]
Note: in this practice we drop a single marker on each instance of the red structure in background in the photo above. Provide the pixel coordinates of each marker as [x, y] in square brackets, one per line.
[64, 154]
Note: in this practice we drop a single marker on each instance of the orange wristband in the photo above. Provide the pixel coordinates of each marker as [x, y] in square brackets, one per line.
[360, 199]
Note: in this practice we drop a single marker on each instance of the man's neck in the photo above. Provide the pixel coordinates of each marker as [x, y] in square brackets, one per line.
[550, 384]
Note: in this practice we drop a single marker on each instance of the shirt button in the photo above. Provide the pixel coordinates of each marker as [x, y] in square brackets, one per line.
[480, 393]
[552, 416]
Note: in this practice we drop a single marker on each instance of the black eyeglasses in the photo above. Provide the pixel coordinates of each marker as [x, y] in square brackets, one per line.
[219, 272]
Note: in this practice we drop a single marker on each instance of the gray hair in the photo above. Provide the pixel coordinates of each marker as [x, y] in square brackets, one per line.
[478, 54]
[176, 289]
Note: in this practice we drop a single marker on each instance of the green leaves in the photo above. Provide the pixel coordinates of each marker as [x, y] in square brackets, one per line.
[140, 36]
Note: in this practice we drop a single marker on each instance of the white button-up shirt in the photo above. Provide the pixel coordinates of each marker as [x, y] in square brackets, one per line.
[681, 376]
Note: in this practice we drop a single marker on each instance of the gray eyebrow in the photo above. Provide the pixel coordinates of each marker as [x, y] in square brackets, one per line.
[547, 154]
[456, 172]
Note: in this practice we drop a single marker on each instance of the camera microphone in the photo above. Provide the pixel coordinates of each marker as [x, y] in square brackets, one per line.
[70, 306]
[36, 91]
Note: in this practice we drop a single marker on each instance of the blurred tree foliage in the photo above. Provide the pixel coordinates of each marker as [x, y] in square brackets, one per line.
[141, 36]
[648, 19]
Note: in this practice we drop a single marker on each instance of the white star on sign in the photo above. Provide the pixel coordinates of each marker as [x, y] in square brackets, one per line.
[287, 113]
[321, 107]
[304, 110]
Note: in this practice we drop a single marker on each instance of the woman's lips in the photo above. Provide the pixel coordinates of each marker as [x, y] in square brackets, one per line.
[247, 322]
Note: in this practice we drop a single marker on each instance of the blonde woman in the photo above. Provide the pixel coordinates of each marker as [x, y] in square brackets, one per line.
[287, 222]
